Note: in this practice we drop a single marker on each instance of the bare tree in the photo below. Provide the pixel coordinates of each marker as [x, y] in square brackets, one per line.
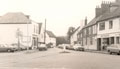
[70, 32]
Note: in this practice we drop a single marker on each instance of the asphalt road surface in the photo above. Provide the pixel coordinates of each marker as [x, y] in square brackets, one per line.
[53, 59]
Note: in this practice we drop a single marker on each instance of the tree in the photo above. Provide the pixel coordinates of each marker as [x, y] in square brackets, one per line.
[61, 40]
[70, 32]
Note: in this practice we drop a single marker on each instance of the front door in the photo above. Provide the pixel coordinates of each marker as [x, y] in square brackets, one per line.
[99, 44]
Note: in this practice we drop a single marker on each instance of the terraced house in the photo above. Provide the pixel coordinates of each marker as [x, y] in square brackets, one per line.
[109, 27]
[103, 29]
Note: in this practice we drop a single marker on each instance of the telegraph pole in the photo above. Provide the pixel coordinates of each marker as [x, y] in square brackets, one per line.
[45, 32]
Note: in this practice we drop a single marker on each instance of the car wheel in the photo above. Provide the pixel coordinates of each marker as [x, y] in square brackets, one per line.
[110, 52]
[118, 53]
[8, 50]
[82, 49]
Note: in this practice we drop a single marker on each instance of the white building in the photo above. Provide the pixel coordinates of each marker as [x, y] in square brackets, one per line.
[17, 27]
[109, 26]
[73, 38]
[50, 38]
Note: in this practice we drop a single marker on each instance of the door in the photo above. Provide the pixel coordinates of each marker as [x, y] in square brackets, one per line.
[99, 44]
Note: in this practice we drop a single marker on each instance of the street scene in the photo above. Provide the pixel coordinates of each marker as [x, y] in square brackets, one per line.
[60, 34]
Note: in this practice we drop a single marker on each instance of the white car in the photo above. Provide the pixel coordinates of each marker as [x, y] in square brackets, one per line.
[42, 47]
[115, 48]
[78, 47]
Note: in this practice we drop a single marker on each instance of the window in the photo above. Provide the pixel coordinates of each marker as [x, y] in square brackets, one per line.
[84, 32]
[102, 26]
[34, 28]
[87, 31]
[112, 40]
[117, 40]
[110, 24]
[91, 41]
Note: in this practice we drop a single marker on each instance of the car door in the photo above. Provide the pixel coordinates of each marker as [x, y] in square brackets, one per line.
[112, 48]
[116, 49]
[2, 48]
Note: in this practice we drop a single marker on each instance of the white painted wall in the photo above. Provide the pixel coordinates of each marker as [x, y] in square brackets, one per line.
[116, 27]
[8, 33]
[50, 40]
[74, 36]
[41, 36]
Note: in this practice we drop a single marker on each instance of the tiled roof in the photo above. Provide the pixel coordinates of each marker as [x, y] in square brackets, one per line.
[40, 26]
[109, 15]
[93, 21]
[50, 34]
[75, 30]
[16, 17]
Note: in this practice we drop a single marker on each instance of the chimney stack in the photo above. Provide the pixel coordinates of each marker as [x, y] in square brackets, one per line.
[117, 1]
[105, 6]
[98, 11]
[28, 16]
[85, 20]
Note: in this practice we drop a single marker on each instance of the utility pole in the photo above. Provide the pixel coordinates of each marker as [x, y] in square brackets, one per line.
[27, 36]
[45, 33]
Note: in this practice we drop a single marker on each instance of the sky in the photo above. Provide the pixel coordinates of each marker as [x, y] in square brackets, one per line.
[60, 14]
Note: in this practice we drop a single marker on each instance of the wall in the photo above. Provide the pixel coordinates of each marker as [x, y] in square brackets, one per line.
[74, 37]
[50, 40]
[8, 33]
[41, 36]
[116, 27]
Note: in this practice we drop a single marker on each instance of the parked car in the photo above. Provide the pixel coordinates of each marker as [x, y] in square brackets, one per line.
[115, 48]
[60, 46]
[42, 47]
[7, 48]
[69, 47]
[22, 47]
[78, 47]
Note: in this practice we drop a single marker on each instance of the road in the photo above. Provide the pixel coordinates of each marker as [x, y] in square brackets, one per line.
[53, 59]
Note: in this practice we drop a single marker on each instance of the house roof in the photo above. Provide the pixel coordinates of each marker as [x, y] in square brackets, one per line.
[75, 30]
[40, 26]
[109, 15]
[50, 34]
[16, 17]
[93, 21]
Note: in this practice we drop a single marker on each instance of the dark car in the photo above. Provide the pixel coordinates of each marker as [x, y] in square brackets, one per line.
[7, 48]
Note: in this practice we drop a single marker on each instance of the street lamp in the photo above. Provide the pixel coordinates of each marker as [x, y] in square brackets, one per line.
[18, 35]
[27, 37]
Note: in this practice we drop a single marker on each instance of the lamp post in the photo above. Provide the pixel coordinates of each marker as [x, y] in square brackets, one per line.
[18, 34]
[27, 37]
[45, 33]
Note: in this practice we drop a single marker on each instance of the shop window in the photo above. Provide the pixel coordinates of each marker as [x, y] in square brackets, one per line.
[112, 40]
[102, 26]
[117, 40]
[110, 24]
[91, 41]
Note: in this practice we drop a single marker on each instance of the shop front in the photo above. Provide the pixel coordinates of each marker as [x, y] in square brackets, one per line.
[105, 40]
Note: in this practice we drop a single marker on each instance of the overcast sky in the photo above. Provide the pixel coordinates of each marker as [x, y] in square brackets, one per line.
[60, 14]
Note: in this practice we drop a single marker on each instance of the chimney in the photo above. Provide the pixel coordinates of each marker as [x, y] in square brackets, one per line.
[28, 16]
[117, 1]
[98, 11]
[85, 20]
[105, 6]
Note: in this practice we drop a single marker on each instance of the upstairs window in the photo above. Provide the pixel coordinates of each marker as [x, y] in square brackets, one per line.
[102, 26]
[110, 24]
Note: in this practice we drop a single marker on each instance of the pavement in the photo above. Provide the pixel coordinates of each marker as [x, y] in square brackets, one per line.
[95, 51]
